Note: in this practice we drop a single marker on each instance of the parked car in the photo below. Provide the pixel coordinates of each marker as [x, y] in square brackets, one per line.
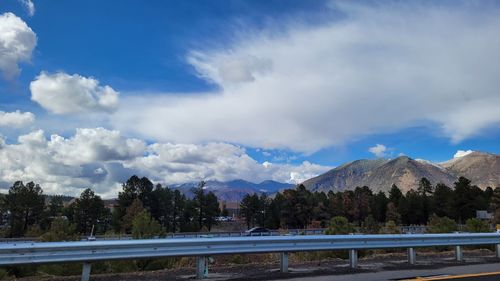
[258, 231]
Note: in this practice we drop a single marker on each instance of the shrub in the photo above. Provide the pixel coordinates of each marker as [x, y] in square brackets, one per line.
[477, 225]
[60, 230]
[144, 226]
[370, 225]
[339, 225]
[390, 227]
[441, 225]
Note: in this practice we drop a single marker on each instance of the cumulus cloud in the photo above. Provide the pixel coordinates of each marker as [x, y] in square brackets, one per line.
[378, 150]
[103, 159]
[376, 69]
[180, 163]
[30, 6]
[461, 153]
[17, 42]
[16, 119]
[62, 93]
[67, 165]
[92, 145]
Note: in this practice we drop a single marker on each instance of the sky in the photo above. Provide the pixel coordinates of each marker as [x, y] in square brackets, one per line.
[92, 92]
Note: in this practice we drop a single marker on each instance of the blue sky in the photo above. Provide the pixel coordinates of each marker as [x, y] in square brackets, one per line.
[301, 85]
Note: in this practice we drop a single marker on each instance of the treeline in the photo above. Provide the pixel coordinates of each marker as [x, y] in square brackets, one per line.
[142, 208]
[148, 210]
[301, 208]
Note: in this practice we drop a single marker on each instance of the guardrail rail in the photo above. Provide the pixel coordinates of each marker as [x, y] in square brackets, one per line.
[19, 253]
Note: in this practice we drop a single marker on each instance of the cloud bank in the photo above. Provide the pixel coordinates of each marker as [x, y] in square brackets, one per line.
[103, 159]
[375, 69]
[17, 42]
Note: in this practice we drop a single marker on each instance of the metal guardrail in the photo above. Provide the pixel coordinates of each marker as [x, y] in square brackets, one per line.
[91, 251]
[312, 231]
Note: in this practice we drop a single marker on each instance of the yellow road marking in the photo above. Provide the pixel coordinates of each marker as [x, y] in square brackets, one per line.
[452, 276]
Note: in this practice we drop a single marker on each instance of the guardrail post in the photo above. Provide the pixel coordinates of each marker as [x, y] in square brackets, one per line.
[458, 253]
[412, 256]
[201, 267]
[497, 251]
[86, 271]
[353, 258]
[284, 262]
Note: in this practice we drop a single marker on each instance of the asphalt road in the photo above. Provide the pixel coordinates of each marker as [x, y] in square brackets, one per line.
[394, 275]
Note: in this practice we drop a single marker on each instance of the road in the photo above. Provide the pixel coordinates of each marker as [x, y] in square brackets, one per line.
[393, 275]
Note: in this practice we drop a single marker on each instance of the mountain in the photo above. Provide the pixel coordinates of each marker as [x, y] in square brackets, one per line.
[235, 190]
[406, 174]
[349, 175]
[482, 169]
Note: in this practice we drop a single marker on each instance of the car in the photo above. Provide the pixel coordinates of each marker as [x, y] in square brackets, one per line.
[257, 231]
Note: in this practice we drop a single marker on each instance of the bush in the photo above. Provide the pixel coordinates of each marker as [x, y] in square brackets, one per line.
[339, 225]
[370, 225]
[144, 226]
[477, 225]
[441, 225]
[390, 227]
[3, 274]
[60, 230]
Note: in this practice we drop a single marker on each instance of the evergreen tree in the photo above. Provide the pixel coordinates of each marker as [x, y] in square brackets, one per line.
[212, 210]
[162, 207]
[443, 201]
[133, 188]
[26, 204]
[224, 212]
[464, 200]
[395, 195]
[56, 206]
[379, 206]
[248, 209]
[132, 211]
[495, 205]
[89, 212]
[179, 203]
[362, 200]
[392, 213]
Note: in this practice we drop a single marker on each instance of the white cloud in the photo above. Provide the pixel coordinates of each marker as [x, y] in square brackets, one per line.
[62, 93]
[378, 150]
[16, 119]
[377, 69]
[103, 159]
[17, 42]
[178, 163]
[93, 145]
[30, 6]
[67, 165]
[461, 153]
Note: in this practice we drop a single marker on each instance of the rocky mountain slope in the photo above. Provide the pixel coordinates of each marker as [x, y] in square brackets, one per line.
[483, 169]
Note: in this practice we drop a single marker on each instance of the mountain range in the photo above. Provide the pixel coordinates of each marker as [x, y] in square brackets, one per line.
[483, 169]
[235, 190]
